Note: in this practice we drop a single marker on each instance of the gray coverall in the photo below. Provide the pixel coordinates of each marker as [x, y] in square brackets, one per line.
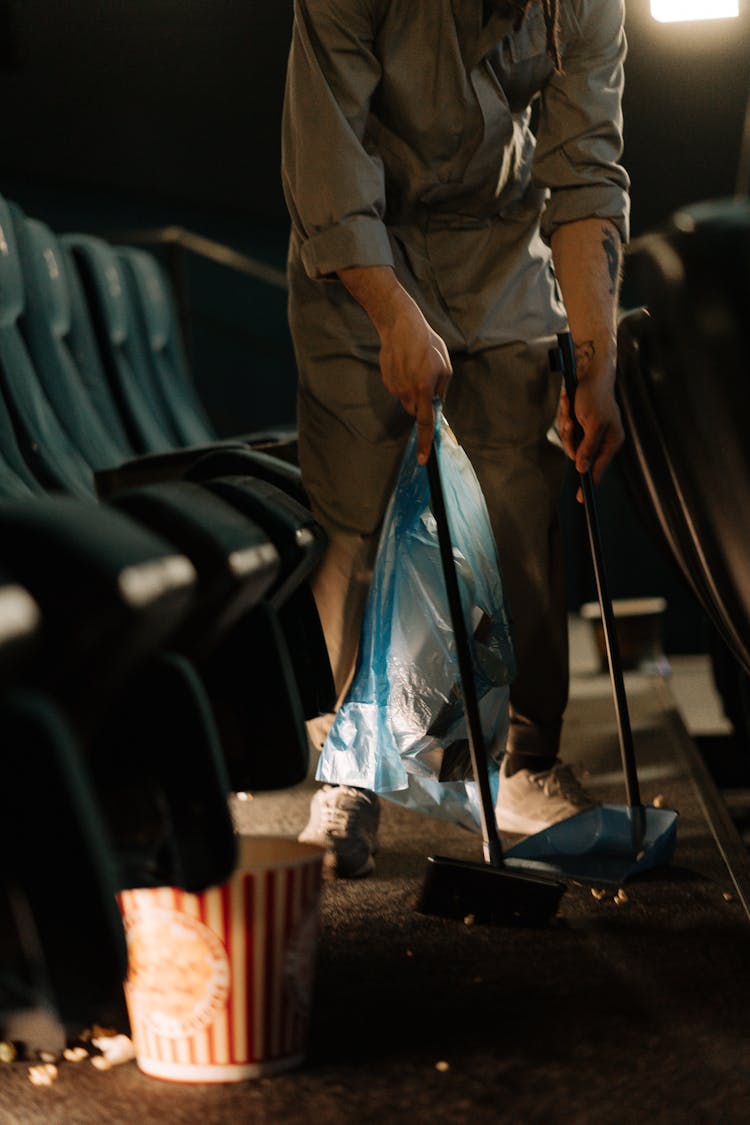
[407, 142]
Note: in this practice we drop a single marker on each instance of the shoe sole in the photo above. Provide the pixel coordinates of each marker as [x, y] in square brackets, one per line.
[331, 869]
[330, 861]
[508, 821]
[512, 822]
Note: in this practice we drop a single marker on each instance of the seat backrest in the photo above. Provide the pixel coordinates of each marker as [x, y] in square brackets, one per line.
[70, 915]
[110, 592]
[695, 280]
[46, 326]
[106, 296]
[16, 479]
[155, 320]
[54, 461]
[85, 352]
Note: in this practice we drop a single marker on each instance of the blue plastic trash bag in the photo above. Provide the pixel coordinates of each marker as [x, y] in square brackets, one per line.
[401, 731]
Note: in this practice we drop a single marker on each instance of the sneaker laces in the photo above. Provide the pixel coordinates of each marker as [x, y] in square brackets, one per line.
[560, 781]
[343, 811]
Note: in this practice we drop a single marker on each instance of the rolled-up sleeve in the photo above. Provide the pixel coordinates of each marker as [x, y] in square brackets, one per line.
[334, 186]
[579, 136]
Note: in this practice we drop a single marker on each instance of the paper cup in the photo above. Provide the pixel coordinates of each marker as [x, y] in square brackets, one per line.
[638, 625]
[220, 983]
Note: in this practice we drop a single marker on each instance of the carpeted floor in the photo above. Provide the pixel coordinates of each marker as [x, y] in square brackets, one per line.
[617, 1012]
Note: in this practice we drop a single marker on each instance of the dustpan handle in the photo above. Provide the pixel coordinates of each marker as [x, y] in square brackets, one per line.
[563, 359]
[491, 841]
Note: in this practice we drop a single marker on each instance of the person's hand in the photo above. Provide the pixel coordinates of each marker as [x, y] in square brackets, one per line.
[414, 361]
[415, 366]
[599, 416]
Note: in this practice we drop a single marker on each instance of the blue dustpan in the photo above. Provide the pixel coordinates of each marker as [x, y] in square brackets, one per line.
[607, 843]
[604, 844]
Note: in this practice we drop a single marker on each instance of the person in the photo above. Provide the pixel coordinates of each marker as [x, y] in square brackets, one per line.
[438, 243]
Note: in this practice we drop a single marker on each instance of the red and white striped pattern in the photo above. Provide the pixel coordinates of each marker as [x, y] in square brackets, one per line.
[253, 941]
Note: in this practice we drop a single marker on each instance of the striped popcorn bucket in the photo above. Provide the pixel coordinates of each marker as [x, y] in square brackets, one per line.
[220, 983]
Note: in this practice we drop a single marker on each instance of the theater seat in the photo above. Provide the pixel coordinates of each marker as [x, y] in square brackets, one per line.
[149, 389]
[60, 929]
[301, 542]
[110, 593]
[105, 293]
[160, 775]
[235, 560]
[154, 317]
[46, 325]
[229, 459]
[688, 363]
[35, 439]
[160, 347]
[60, 933]
[194, 524]
[110, 604]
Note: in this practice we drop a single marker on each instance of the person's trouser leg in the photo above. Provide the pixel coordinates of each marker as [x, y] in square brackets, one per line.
[351, 439]
[340, 586]
[352, 433]
[501, 404]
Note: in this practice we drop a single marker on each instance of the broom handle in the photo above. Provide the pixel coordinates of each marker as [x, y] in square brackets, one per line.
[563, 358]
[491, 841]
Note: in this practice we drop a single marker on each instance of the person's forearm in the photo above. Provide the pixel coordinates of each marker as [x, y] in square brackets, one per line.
[587, 256]
[380, 294]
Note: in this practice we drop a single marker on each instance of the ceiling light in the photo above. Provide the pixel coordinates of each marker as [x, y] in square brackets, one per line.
[670, 11]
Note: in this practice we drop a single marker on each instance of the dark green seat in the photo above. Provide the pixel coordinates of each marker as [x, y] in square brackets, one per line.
[158, 412]
[60, 931]
[148, 347]
[105, 291]
[235, 638]
[235, 560]
[48, 452]
[230, 459]
[192, 519]
[84, 350]
[238, 567]
[110, 592]
[159, 347]
[116, 596]
[131, 308]
[299, 538]
[194, 527]
[160, 775]
[301, 542]
[46, 326]
[63, 939]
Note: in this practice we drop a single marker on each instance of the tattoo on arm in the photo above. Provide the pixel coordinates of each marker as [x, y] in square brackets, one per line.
[611, 249]
[585, 351]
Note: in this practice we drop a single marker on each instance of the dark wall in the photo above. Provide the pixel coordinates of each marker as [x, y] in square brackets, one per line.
[178, 99]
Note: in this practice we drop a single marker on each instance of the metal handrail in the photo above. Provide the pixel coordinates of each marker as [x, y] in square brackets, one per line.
[207, 248]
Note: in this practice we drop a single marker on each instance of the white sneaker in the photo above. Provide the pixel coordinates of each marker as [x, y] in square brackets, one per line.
[344, 821]
[529, 802]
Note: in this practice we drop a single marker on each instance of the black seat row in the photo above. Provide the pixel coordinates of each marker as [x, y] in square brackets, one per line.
[685, 392]
[175, 651]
